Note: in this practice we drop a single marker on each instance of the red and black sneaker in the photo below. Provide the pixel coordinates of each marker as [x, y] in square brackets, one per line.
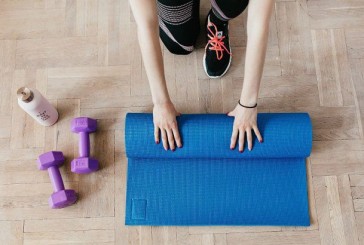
[217, 58]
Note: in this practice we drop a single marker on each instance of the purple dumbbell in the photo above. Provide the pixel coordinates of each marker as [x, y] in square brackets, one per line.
[84, 163]
[60, 198]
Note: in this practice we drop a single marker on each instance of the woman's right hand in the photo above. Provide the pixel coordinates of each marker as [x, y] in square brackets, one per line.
[164, 119]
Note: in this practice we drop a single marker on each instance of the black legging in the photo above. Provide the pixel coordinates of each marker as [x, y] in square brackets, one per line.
[179, 23]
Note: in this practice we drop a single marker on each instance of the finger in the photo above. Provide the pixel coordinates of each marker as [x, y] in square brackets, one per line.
[156, 134]
[230, 114]
[177, 137]
[257, 133]
[179, 114]
[170, 139]
[234, 136]
[249, 138]
[164, 139]
[241, 139]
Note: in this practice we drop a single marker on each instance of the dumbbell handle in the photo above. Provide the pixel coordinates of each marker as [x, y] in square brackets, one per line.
[84, 144]
[56, 178]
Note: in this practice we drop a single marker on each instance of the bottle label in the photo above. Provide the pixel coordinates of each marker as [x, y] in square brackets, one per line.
[43, 115]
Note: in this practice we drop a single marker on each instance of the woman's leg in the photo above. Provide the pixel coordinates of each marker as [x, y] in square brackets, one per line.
[228, 9]
[179, 24]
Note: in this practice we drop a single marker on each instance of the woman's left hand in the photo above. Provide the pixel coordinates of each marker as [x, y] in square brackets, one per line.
[245, 121]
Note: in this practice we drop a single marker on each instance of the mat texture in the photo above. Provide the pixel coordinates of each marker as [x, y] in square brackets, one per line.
[206, 183]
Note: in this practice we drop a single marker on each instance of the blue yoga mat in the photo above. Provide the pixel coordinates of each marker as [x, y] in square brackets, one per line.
[206, 183]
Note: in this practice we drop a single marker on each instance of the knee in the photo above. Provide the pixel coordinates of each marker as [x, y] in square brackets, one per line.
[174, 48]
[173, 45]
[229, 9]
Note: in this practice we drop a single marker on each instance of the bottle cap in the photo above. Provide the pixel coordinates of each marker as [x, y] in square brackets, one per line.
[25, 94]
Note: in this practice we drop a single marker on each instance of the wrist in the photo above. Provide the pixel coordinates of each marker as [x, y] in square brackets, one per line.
[160, 96]
[161, 102]
[248, 101]
[247, 106]
[249, 93]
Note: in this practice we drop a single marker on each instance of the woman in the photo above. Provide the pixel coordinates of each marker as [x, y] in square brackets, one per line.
[177, 24]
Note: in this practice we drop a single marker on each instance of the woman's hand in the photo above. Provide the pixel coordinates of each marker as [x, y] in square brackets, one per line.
[164, 118]
[245, 121]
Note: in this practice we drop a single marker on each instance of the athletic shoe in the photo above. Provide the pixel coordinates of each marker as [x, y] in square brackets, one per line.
[217, 58]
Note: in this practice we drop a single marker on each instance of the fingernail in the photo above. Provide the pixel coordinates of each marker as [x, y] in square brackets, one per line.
[157, 142]
[173, 149]
[250, 149]
[240, 151]
[231, 148]
[260, 141]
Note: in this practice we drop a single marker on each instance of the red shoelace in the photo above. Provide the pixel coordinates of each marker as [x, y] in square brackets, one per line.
[217, 43]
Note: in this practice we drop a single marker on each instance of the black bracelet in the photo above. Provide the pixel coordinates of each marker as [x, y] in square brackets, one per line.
[256, 104]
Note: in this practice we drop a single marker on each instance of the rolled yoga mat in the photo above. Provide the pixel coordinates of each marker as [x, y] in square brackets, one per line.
[206, 183]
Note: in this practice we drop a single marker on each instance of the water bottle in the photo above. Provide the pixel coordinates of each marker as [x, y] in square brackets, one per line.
[38, 107]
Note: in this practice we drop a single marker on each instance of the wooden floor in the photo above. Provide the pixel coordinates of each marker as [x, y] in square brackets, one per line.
[83, 54]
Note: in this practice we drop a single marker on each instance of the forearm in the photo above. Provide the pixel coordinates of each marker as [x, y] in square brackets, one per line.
[254, 62]
[257, 32]
[145, 14]
[153, 63]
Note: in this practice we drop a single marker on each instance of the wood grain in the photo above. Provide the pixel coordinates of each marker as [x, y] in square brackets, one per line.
[83, 55]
